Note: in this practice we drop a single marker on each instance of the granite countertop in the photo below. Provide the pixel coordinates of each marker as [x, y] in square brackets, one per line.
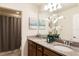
[50, 46]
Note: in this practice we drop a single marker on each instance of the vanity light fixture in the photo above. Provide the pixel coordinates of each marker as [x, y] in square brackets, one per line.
[52, 6]
[59, 6]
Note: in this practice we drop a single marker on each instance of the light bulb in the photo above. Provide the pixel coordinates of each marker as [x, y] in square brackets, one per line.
[54, 4]
[50, 5]
[50, 9]
[54, 8]
[17, 12]
[45, 7]
[59, 6]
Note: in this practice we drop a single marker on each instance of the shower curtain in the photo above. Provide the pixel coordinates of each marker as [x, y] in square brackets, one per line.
[10, 32]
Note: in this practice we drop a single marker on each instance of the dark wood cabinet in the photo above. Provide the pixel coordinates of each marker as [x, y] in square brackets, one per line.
[48, 52]
[39, 50]
[35, 49]
[31, 48]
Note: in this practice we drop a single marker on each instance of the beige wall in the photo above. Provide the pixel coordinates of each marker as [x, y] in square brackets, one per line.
[27, 10]
[67, 22]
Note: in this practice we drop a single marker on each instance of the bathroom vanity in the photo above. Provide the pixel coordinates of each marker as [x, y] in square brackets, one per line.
[40, 47]
[35, 49]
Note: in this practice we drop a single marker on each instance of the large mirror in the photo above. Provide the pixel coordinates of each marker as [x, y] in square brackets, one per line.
[69, 24]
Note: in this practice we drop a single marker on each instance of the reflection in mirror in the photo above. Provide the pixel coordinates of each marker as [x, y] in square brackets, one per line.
[66, 26]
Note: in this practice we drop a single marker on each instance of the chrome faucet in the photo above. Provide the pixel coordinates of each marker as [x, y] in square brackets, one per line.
[67, 43]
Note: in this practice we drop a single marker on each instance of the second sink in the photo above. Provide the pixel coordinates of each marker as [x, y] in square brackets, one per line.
[63, 48]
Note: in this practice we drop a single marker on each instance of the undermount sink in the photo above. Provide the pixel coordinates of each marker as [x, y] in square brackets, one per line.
[63, 48]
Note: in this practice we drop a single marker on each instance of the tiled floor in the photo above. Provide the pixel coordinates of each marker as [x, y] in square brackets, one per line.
[16, 52]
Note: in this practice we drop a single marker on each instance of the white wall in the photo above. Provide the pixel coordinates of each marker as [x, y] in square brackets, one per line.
[27, 10]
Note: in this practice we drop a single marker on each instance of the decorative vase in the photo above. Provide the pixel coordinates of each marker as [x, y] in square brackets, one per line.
[52, 38]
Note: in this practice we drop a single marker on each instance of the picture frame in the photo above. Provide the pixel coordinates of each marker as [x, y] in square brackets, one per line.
[36, 24]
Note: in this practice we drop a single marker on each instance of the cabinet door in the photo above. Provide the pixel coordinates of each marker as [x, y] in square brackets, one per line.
[39, 53]
[39, 50]
[31, 51]
[48, 52]
[31, 48]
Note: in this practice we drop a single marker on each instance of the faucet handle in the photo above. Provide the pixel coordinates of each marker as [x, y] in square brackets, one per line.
[65, 42]
[70, 42]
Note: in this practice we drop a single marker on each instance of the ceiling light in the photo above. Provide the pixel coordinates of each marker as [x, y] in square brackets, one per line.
[17, 12]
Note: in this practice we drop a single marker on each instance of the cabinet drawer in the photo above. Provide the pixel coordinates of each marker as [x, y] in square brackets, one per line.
[39, 53]
[31, 43]
[39, 48]
[49, 52]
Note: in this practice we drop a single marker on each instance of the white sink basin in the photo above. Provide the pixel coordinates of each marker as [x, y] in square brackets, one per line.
[63, 48]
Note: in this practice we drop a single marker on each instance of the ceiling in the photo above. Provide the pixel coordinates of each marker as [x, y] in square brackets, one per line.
[64, 6]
